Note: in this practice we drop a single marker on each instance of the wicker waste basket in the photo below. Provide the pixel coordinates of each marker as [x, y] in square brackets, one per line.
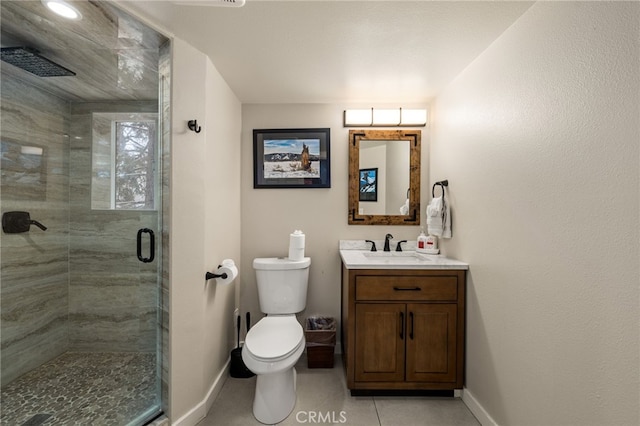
[320, 334]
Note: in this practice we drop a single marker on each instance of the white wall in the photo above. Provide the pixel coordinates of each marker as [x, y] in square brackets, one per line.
[222, 221]
[397, 155]
[270, 215]
[539, 140]
[205, 228]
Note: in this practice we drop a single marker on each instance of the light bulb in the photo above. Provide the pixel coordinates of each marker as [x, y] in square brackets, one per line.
[62, 8]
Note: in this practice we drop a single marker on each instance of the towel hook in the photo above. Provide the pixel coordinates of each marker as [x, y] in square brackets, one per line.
[193, 125]
[442, 184]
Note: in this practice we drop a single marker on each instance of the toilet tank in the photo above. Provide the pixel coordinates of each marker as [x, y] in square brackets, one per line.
[282, 284]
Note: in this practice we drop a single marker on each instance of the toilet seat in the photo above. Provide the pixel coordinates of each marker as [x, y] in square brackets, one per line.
[274, 338]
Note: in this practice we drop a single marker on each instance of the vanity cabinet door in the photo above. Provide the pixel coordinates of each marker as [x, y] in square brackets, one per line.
[380, 332]
[431, 342]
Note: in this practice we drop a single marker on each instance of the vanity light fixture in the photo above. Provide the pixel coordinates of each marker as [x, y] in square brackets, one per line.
[63, 9]
[384, 117]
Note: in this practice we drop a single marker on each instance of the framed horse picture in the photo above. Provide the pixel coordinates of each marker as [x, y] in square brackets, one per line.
[291, 158]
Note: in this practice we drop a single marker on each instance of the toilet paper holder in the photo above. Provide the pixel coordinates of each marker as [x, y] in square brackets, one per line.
[210, 275]
[225, 274]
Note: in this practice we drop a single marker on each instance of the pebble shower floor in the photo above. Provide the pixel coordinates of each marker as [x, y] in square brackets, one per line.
[82, 389]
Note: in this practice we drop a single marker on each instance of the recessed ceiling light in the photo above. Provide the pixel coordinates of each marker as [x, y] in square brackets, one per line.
[63, 9]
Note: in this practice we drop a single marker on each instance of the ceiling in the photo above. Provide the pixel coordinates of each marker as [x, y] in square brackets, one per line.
[295, 51]
[303, 51]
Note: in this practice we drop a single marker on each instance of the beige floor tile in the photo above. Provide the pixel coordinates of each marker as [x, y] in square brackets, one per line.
[423, 411]
[234, 405]
[323, 398]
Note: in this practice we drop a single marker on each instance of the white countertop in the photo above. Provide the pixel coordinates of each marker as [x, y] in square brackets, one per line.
[356, 254]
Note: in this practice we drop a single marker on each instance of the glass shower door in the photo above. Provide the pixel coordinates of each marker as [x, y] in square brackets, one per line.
[81, 301]
[115, 251]
[81, 309]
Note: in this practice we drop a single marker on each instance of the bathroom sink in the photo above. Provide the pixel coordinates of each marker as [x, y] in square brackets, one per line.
[391, 258]
[365, 259]
[398, 256]
[386, 259]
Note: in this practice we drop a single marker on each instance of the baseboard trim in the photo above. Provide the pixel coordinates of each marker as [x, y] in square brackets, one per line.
[216, 387]
[199, 412]
[477, 409]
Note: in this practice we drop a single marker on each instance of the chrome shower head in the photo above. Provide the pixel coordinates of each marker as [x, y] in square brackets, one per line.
[30, 60]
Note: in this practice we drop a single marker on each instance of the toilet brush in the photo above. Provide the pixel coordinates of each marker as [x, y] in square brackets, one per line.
[237, 368]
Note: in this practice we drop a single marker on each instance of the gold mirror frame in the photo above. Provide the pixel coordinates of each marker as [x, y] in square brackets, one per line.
[355, 137]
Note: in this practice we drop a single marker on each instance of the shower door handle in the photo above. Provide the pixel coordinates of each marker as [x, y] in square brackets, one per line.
[152, 245]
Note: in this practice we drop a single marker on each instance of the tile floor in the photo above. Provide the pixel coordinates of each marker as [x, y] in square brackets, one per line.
[323, 398]
[79, 388]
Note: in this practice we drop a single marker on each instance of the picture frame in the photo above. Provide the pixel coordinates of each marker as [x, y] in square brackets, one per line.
[292, 158]
[368, 184]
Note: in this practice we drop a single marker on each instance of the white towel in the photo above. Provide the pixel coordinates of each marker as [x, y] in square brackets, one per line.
[404, 210]
[435, 224]
[439, 218]
[446, 232]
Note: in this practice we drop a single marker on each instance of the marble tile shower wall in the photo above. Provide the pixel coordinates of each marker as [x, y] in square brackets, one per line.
[77, 286]
[113, 297]
[35, 265]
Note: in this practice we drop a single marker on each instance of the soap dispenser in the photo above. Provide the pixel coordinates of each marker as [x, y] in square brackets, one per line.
[431, 245]
[421, 244]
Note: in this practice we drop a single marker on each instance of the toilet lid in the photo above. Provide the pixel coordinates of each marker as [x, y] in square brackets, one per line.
[274, 337]
[280, 263]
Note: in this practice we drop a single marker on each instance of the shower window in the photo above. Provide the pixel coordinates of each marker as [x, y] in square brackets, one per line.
[124, 161]
[134, 164]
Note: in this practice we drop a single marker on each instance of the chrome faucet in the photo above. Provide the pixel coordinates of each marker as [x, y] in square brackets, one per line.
[386, 242]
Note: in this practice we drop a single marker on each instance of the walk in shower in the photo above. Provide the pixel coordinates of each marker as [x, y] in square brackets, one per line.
[82, 314]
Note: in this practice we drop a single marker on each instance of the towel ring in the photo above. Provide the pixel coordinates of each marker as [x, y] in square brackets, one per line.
[442, 184]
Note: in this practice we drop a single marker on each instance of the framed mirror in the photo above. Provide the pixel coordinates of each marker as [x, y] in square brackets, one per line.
[384, 177]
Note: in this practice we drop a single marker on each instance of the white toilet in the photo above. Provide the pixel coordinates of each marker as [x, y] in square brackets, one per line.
[273, 346]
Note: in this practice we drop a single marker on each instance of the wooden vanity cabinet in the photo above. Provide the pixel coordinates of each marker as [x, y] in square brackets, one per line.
[403, 329]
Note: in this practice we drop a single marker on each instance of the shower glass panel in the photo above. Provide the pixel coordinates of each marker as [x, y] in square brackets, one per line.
[81, 309]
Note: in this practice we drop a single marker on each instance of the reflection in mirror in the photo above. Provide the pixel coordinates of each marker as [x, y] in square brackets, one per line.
[386, 191]
[384, 177]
